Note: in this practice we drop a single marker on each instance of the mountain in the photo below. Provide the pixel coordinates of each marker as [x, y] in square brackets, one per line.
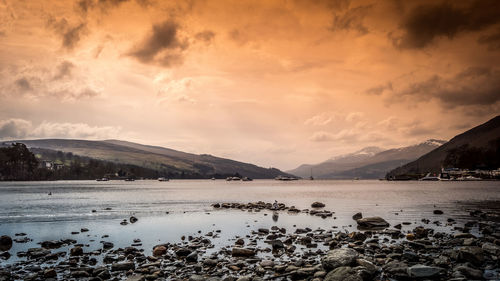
[478, 147]
[368, 163]
[157, 158]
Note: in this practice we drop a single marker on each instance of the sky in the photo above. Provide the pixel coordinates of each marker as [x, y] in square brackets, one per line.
[277, 83]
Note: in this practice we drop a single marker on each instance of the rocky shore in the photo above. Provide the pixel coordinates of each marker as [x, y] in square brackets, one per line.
[376, 251]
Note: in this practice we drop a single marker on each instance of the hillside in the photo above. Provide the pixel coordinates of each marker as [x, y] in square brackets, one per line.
[167, 161]
[475, 148]
[368, 163]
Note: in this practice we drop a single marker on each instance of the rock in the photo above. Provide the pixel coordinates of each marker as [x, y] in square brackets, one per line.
[122, 266]
[240, 242]
[263, 230]
[358, 236]
[242, 252]
[469, 272]
[183, 252]
[50, 273]
[76, 251]
[52, 244]
[37, 252]
[276, 244]
[339, 257]
[80, 274]
[438, 212]
[136, 277]
[420, 232]
[357, 216]
[159, 251]
[5, 243]
[372, 223]
[193, 257]
[133, 219]
[491, 248]
[317, 205]
[210, 262]
[84, 230]
[472, 254]
[267, 263]
[195, 277]
[107, 245]
[368, 266]
[423, 271]
[343, 273]
[396, 269]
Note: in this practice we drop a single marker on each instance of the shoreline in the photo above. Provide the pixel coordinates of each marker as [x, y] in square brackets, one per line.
[298, 253]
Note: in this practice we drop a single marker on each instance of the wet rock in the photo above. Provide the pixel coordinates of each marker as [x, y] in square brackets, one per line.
[240, 242]
[84, 230]
[80, 274]
[420, 232]
[159, 251]
[357, 216]
[5, 243]
[423, 271]
[50, 273]
[491, 248]
[358, 236]
[468, 272]
[136, 278]
[107, 245]
[317, 205]
[37, 252]
[472, 254]
[277, 244]
[76, 251]
[195, 277]
[193, 257]
[210, 262]
[343, 273]
[396, 269]
[242, 252]
[263, 230]
[133, 219]
[339, 257]
[183, 252]
[372, 223]
[122, 266]
[438, 212]
[52, 244]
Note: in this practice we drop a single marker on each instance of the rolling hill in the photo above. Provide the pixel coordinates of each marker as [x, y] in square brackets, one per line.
[154, 157]
[478, 147]
[368, 163]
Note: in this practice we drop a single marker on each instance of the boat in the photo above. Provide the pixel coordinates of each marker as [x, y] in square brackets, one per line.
[233, 178]
[469, 178]
[129, 179]
[430, 177]
[102, 179]
[285, 178]
[163, 179]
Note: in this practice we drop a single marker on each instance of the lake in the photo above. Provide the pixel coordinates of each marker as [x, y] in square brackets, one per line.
[169, 210]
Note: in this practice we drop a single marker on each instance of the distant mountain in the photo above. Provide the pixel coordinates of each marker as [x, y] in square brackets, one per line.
[157, 158]
[367, 163]
[478, 147]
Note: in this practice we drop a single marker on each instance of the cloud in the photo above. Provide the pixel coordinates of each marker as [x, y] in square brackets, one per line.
[14, 128]
[206, 36]
[64, 70]
[351, 19]
[70, 35]
[23, 84]
[75, 130]
[380, 89]
[471, 87]
[354, 116]
[343, 135]
[492, 40]
[320, 119]
[162, 46]
[424, 23]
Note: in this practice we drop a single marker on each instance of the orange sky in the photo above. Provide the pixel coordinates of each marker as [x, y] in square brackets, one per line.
[275, 83]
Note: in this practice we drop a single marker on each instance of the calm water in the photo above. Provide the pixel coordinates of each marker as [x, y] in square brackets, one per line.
[27, 207]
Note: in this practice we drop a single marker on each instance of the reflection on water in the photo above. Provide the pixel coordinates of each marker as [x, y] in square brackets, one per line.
[27, 207]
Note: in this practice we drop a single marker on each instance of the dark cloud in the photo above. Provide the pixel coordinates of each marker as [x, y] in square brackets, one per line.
[23, 84]
[423, 23]
[492, 40]
[351, 19]
[69, 34]
[161, 46]
[206, 35]
[64, 70]
[85, 5]
[474, 86]
[378, 90]
[238, 36]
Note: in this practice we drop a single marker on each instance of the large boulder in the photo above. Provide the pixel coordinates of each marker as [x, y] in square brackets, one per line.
[372, 223]
[424, 271]
[396, 269]
[339, 257]
[5, 243]
[343, 273]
